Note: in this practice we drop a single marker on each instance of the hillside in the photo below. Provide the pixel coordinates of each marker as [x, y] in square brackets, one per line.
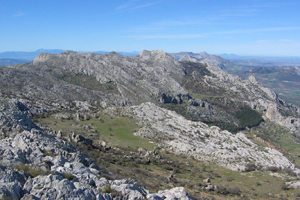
[283, 80]
[214, 60]
[84, 125]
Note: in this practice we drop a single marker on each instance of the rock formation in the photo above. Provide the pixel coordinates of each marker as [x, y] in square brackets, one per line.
[38, 165]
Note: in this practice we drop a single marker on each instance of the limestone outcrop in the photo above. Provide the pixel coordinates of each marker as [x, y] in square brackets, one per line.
[198, 140]
[36, 165]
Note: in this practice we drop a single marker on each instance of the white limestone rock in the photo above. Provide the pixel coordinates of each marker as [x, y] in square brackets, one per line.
[11, 183]
[174, 193]
[197, 139]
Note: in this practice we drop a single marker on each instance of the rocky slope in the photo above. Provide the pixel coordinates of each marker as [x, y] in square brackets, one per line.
[71, 80]
[200, 141]
[148, 76]
[257, 97]
[190, 56]
[284, 80]
[206, 58]
[36, 164]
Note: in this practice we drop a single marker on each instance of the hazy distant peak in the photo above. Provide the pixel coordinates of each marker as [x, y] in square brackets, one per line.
[217, 61]
[112, 52]
[203, 53]
[154, 54]
[190, 56]
[49, 50]
[187, 58]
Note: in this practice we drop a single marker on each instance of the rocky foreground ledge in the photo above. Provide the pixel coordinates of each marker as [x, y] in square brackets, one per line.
[36, 165]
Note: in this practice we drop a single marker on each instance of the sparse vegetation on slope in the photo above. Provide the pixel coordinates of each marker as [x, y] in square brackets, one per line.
[91, 83]
[276, 137]
[248, 117]
[114, 131]
[218, 97]
[156, 168]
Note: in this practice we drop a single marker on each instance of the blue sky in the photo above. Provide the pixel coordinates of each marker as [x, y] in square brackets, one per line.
[243, 27]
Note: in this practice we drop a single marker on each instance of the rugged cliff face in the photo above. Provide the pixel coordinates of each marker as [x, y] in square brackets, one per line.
[149, 76]
[38, 164]
[257, 97]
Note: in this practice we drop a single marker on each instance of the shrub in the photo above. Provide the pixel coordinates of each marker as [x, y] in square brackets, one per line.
[225, 190]
[68, 176]
[290, 172]
[285, 187]
[248, 117]
[216, 174]
[250, 167]
[106, 189]
[48, 153]
[258, 183]
[273, 168]
[34, 172]
[234, 190]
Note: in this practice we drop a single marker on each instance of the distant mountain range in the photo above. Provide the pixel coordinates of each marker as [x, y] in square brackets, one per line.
[21, 57]
[206, 58]
[30, 55]
[10, 61]
[295, 59]
[283, 80]
[262, 61]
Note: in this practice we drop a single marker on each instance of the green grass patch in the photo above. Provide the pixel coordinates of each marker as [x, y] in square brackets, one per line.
[91, 83]
[68, 176]
[272, 82]
[34, 172]
[178, 108]
[116, 131]
[272, 75]
[281, 138]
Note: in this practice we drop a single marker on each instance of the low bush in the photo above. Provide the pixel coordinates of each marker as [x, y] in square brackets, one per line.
[34, 172]
[290, 172]
[68, 176]
[285, 187]
[273, 168]
[226, 190]
[248, 117]
[250, 167]
[106, 189]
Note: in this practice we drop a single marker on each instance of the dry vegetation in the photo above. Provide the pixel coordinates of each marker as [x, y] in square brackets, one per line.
[126, 157]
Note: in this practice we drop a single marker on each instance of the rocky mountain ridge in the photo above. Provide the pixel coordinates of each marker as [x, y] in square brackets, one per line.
[134, 87]
[114, 79]
[204, 57]
[257, 97]
[187, 56]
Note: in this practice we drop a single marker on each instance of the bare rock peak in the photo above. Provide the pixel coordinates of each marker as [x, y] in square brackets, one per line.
[145, 54]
